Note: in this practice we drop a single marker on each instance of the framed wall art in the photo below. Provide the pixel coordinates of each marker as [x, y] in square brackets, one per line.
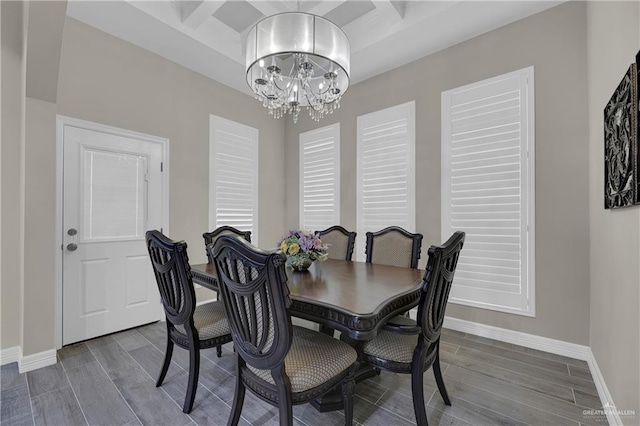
[621, 144]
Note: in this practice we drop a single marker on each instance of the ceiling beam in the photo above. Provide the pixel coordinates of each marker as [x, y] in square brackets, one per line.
[325, 7]
[195, 13]
[269, 8]
[392, 13]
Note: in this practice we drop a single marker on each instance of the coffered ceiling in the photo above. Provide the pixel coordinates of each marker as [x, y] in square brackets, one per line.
[209, 36]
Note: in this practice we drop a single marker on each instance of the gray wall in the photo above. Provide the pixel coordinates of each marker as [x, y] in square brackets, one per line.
[39, 226]
[613, 40]
[13, 91]
[554, 42]
[45, 23]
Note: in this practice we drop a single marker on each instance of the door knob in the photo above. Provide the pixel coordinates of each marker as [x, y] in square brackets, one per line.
[72, 247]
[72, 232]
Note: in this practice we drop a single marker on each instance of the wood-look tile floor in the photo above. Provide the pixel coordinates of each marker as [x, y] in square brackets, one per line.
[111, 381]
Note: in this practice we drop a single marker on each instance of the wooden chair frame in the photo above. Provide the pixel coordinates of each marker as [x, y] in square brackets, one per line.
[173, 276]
[223, 230]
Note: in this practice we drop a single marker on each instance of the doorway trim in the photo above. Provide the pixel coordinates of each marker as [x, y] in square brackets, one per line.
[61, 122]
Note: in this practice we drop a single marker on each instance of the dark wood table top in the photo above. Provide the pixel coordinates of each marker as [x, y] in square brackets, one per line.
[354, 297]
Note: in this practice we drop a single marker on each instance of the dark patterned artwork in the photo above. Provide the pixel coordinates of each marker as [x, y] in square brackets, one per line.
[621, 144]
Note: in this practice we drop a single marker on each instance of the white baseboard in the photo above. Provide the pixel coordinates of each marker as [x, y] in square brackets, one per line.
[37, 360]
[559, 347]
[29, 362]
[545, 344]
[9, 355]
[609, 408]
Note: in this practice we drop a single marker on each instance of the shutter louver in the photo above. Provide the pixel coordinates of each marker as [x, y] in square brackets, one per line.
[386, 177]
[320, 178]
[486, 190]
[234, 176]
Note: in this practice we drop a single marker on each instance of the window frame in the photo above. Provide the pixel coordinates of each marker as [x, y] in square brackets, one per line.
[215, 123]
[527, 186]
[335, 133]
[408, 110]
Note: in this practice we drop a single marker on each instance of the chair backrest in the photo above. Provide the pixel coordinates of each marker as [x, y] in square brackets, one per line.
[340, 242]
[394, 246]
[173, 276]
[436, 285]
[253, 286]
[211, 237]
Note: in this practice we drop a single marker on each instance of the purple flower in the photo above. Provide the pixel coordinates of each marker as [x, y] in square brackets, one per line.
[306, 242]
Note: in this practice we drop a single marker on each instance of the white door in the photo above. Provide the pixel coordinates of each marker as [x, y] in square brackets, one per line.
[112, 195]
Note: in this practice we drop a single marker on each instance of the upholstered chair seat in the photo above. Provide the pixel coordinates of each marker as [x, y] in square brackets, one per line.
[210, 320]
[313, 360]
[392, 346]
[413, 346]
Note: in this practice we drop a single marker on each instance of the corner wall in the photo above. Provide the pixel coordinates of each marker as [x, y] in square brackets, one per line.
[613, 39]
[13, 92]
[554, 42]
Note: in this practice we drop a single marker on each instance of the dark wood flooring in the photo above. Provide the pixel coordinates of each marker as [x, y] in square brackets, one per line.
[111, 381]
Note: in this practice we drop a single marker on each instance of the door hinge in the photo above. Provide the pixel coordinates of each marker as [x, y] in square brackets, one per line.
[162, 166]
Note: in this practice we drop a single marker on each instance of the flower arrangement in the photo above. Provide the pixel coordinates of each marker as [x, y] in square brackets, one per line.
[302, 248]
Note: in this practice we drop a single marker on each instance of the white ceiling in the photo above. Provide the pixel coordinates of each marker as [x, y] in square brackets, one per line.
[209, 36]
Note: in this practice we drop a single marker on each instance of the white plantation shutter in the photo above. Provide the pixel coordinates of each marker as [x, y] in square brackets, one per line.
[320, 178]
[233, 176]
[385, 171]
[487, 190]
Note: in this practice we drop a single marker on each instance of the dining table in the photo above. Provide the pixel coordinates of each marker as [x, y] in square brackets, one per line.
[355, 298]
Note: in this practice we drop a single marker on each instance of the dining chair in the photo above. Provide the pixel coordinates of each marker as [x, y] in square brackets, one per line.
[340, 242]
[211, 237]
[414, 347]
[282, 364]
[189, 326]
[393, 246]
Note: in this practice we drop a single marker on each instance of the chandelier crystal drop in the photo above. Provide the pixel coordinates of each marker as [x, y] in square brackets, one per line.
[297, 60]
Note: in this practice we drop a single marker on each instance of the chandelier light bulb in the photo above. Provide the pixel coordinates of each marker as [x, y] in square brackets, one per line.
[309, 64]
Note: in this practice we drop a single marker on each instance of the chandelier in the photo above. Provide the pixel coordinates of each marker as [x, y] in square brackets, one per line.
[297, 60]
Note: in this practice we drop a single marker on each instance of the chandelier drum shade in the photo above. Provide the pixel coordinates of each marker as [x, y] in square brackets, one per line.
[297, 60]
